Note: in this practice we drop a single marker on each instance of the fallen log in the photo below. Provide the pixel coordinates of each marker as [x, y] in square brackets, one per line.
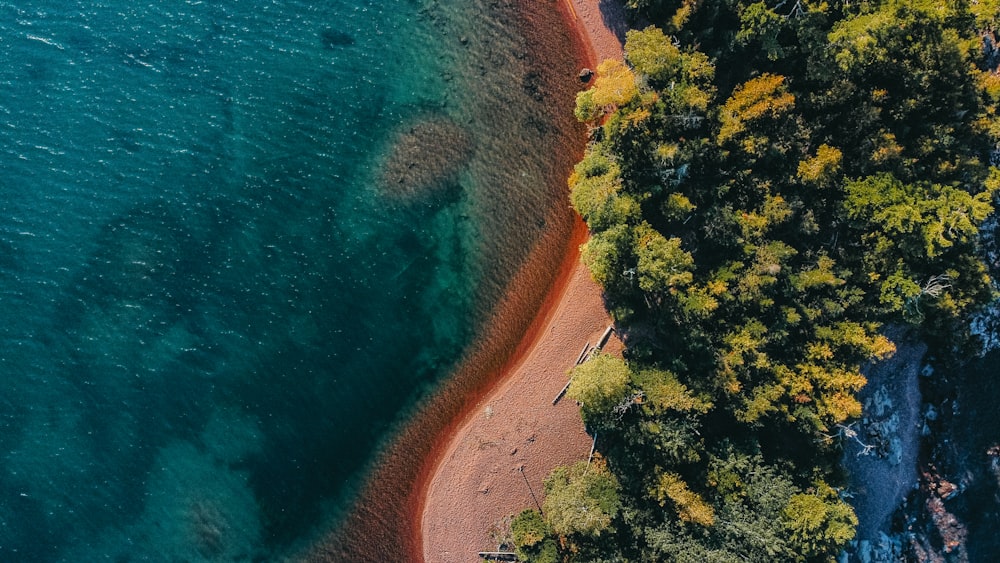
[498, 555]
[605, 336]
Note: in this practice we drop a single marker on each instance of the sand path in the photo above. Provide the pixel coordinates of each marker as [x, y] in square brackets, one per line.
[494, 463]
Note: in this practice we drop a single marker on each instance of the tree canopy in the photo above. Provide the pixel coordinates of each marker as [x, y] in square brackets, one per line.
[767, 185]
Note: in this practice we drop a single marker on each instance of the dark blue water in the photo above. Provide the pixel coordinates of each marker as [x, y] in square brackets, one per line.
[213, 305]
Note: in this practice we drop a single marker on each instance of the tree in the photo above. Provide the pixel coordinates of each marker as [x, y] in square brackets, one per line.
[606, 256]
[533, 539]
[924, 219]
[663, 392]
[596, 193]
[822, 169]
[614, 87]
[581, 499]
[599, 384]
[745, 114]
[652, 53]
[682, 78]
[759, 27]
[819, 521]
[752, 496]
[662, 264]
[911, 233]
[689, 505]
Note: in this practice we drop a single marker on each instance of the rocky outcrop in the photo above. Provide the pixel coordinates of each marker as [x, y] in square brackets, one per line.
[881, 455]
[882, 461]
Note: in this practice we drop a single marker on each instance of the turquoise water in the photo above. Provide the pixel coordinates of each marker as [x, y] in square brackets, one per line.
[214, 305]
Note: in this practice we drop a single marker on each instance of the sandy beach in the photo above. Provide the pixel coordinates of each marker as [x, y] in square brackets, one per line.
[496, 461]
[453, 473]
[601, 25]
[493, 464]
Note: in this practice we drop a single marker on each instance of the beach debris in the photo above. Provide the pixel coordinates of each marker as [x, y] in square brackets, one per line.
[605, 336]
[593, 447]
[848, 432]
[520, 468]
[498, 555]
[584, 354]
[562, 391]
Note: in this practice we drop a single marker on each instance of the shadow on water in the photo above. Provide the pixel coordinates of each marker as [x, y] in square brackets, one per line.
[332, 38]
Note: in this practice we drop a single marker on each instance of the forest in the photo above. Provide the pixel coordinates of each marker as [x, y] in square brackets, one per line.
[768, 186]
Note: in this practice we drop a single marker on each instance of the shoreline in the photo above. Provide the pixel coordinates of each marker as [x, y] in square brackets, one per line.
[509, 430]
[385, 522]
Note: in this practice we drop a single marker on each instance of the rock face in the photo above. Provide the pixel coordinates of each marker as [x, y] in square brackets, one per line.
[426, 157]
[883, 476]
[882, 459]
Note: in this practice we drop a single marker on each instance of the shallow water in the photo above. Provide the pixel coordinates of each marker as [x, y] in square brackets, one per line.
[214, 305]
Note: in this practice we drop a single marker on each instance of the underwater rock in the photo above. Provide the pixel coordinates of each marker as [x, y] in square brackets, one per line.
[426, 157]
[332, 38]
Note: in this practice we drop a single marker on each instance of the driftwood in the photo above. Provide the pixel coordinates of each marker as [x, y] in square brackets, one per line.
[562, 392]
[605, 336]
[584, 354]
[498, 555]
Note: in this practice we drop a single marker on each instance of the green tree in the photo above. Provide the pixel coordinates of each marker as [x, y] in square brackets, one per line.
[682, 79]
[599, 384]
[662, 264]
[651, 53]
[596, 193]
[663, 392]
[581, 499]
[911, 233]
[819, 521]
[759, 27]
[533, 539]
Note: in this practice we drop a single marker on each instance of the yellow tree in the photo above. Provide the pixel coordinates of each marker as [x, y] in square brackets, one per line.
[689, 504]
[614, 87]
[749, 115]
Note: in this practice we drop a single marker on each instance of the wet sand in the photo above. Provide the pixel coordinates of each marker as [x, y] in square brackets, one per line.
[495, 460]
[425, 500]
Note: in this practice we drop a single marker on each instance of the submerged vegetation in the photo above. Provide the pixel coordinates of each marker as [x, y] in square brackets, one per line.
[767, 186]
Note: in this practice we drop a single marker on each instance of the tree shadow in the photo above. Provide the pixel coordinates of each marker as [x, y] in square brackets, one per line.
[615, 17]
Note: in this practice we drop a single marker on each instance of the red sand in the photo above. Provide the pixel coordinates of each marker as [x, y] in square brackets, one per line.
[418, 500]
[494, 463]
[597, 25]
[478, 481]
